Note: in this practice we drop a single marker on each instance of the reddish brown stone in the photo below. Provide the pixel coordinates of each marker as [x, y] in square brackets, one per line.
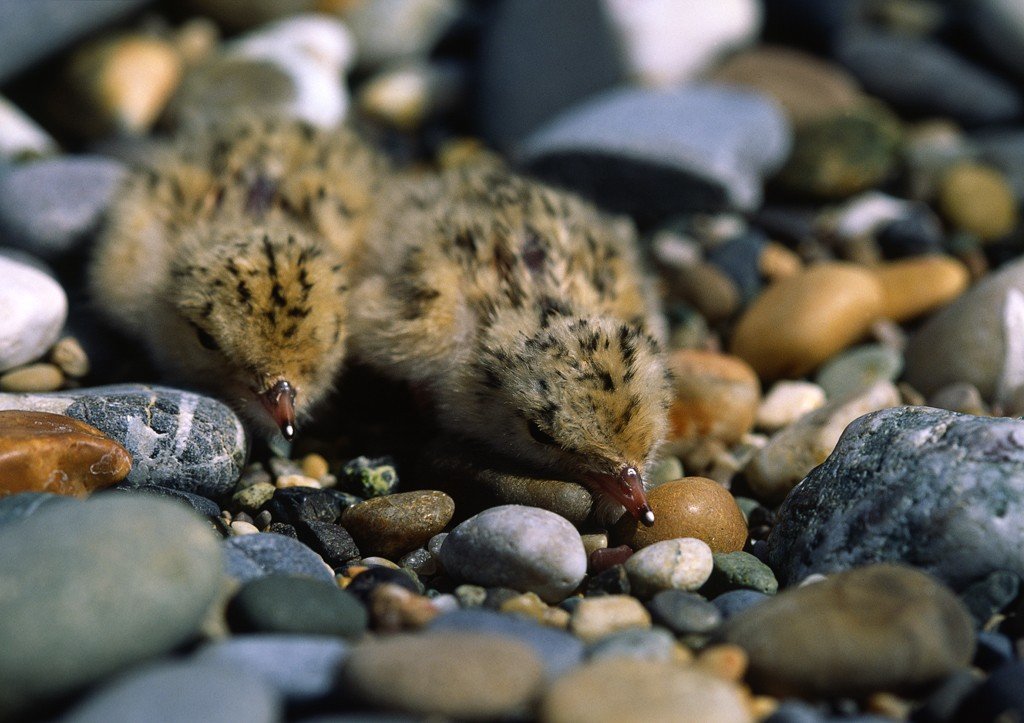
[43, 452]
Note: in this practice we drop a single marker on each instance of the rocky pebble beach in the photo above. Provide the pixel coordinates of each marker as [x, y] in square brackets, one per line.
[828, 196]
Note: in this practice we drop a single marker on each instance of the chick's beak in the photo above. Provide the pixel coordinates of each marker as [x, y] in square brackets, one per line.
[627, 489]
[279, 400]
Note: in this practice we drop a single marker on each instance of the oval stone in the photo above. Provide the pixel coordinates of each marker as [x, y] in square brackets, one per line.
[42, 452]
[920, 284]
[598, 617]
[523, 548]
[35, 307]
[682, 564]
[393, 525]
[978, 199]
[715, 395]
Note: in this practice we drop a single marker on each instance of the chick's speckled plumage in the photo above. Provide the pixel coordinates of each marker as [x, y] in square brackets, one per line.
[230, 254]
[522, 311]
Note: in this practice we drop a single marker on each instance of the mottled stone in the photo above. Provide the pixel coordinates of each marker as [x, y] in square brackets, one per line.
[678, 564]
[880, 627]
[332, 542]
[739, 571]
[393, 525]
[598, 617]
[715, 396]
[296, 606]
[35, 308]
[370, 477]
[915, 286]
[254, 556]
[291, 504]
[42, 452]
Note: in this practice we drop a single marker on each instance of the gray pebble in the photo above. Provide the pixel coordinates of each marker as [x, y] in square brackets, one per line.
[252, 556]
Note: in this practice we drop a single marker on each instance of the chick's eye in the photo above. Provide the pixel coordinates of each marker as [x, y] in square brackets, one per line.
[207, 341]
[539, 434]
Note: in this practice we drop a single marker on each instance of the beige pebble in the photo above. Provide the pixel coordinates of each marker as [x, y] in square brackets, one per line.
[680, 564]
[786, 402]
[296, 480]
[240, 527]
[393, 609]
[800, 321]
[978, 199]
[530, 605]
[196, 40]
[778, 262]
[69, 355]
[39, 377]
[797, 449]
[715, 395]
[915, 286]
[595, 541]
[706, 288]
[725, 660]
[598, 617]
[315, 466]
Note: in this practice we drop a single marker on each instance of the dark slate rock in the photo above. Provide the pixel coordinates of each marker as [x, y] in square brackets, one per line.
[177, 439]
[994, 650]
[248, 557]
[332, 542]
[1004, 149]
[930, 488]
[108, 582]
[49, 206]
[635, 644]
[999, 698]
[197, 503]
[655, 154]
[932, 80]
[736, 601]
[740, 259]
[370, 477]
[913, 235]
[613, 581]
[684, 612]
[291, 504]
[283, 528]
[363, 584]
[303, 668]
[18, 507]
[557, 649]
[539, 58]
[808, 23]
[183, 692]
[296, 606]
[990, 595]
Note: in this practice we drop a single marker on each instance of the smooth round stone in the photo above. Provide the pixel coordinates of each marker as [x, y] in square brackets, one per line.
[393, 525]
[41, 452]
[254, 556]
[978, 199]
[734, 602]
[35, 308]
[20, 136]
[296, 606]
[807, 87]
[69, 355]
[177, 439]
[777, 467]
[684, 612]
[739, 571]
[915, 286]
[800, 321]
[706, 288]
[181, 692]
[558, 650]
[715, 395]
[678, 564]
[786, 402]
[611, 691]
[198, 504]
[597, 617]
[880, 627]
[892, 475]
[17, 507]
[991, 595]
[959, 397]
[302, 668]
[40, 377]
[636, 644]
[700, 147]
[523, 548]
[49, 206]
[692, 507]
[136, 582]
[394, 31]
[854, 370]
[454, 674]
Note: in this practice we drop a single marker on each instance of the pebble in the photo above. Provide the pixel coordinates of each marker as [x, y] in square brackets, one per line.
[597, 617]
[638, 644]
[291, 504]
[679, 564]
[531, 606]
[407, 96]
[50, 206]
[296, 480]
[859, 368]
[802, 320]
[725, 661]
[700, 147]
[918, 285]
[739, 258]
[367, 477]
[991, 595]
[978, 199]
[295, 605]
[692, 507]
[302, 668]
[684, 613]
[880, 627]
[38, 377]
[998, 698]
[739, 571]
[786, 402]
[706, 288]
[393, 609]
[252, 498]
[394, 31]
[419, 561]
[20, 136]
[524, 548]
[315, 466]
[105, 604]
[332, 542]
[959, 397]
[715, 396]
[69, 355]
[22, 505]
[393, 525]
[177, 439]
[607, 691]
[35, 308]
[250, 557]
[241, 527]
[734, 602]
[876, 498]
[790, 454]
[919, 233]
[177, 692]
[198, 504]
[452, 675]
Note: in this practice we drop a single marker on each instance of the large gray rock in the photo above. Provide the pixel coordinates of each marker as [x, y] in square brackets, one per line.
[90, 588]
[177, 439]
[934, 489]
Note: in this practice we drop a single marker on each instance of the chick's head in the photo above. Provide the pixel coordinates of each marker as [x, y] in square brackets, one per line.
[260, 320]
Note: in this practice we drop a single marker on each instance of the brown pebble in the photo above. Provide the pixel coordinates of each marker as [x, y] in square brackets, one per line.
[716, 396]
[315, 466]
[69, 355]
[707, 288]
[43, 452]
[726, 661]
[600, 560]
[393, 609]
[778, 262]
[915, 286]
[393, 525]
[530, 605]
[39, 377]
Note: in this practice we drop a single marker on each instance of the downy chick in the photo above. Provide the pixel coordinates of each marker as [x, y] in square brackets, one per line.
[522, 313]
[229, 256]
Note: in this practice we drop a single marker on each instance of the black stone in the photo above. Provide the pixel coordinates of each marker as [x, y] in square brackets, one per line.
[613, 581]
[913, 235]
[202, 505]
[994, 650]
[292, 504]
[684, 612]
[363, 584]
[283, 528]
[331, 541]
[991, 595]
[296, 605]
[941, 704]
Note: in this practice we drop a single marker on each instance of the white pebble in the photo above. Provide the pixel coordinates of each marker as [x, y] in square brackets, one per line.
[786, 402]
[20, 135]
[238, 527]
[296, 480]
[684, 563]
[34, 309]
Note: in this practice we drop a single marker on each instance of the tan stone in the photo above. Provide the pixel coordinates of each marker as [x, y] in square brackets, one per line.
[691, 507]
[39, 377]
[978, 199]
[800, 321]
[716, 395]
[43, 452]
[393, 525]
[597, 617]
[778, 262]
[315, 466]
[725, 661]
[914, 286]
[69, 355]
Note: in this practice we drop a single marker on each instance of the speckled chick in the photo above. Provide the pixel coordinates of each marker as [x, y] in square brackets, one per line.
[229, 255]
[521, 312]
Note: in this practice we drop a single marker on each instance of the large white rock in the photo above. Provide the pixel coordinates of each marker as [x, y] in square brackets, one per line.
[33, 308]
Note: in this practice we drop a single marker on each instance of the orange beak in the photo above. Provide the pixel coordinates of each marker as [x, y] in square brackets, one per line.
[279, 400]
[627, 489]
